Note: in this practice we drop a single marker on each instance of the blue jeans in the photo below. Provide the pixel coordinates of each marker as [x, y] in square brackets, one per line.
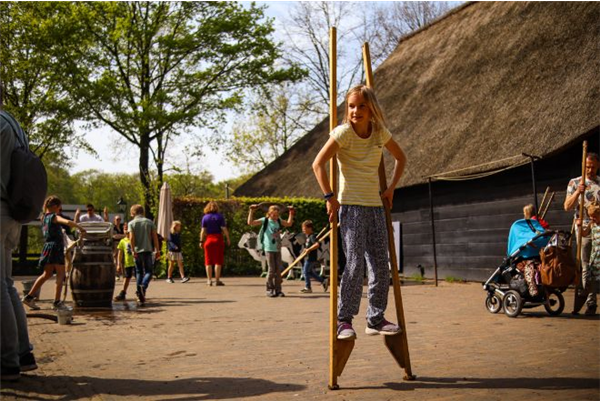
[308, 272]
[15, 337]
[143, 269]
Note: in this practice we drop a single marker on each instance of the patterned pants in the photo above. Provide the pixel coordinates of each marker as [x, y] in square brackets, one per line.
[364, 234]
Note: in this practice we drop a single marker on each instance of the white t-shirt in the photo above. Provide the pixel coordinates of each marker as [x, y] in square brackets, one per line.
[93, 218]
[359, 160]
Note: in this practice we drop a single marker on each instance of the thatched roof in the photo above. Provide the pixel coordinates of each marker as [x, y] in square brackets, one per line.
[484, 83]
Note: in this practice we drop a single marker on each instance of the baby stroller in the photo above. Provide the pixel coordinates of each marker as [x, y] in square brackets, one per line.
[507, 287]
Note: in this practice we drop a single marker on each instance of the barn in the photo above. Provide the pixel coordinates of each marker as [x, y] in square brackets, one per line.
[488, 102]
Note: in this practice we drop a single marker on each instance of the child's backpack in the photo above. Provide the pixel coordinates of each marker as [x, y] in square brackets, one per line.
[28, 182]
[261, 233]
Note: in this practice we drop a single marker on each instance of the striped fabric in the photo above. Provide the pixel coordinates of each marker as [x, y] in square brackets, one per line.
[359, 161]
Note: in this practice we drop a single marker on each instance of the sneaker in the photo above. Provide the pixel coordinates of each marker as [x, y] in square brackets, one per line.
[306, 290]
[271, 293]
[141, 296]
[345, 332]
[170, 280]
[209, 282]
[219, 283]
[27, 363]
[185, 279]
[11, 373]
[590, 311]
[325, 284]
[29, 302]
[57, 305]
[279, 294]
[120, 296]
[383, 328]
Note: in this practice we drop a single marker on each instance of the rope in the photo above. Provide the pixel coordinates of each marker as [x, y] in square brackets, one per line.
[473, 176]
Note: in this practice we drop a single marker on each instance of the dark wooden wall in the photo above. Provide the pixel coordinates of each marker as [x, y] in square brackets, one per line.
[473, 218]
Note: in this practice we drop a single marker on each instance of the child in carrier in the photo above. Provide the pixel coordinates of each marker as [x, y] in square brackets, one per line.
[53, 252]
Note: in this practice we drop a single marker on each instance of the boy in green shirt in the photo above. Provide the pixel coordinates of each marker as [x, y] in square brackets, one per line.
[125, 257]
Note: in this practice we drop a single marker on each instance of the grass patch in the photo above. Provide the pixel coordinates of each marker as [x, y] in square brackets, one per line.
[416, 278]
[454, 279]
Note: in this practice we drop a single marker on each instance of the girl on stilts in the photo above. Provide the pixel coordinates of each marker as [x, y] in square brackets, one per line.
[359, 144]
[53, 254]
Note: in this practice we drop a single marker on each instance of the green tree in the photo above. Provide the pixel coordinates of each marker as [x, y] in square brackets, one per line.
[105, 189]
[32, 79]
[277, 119]
[155, 69]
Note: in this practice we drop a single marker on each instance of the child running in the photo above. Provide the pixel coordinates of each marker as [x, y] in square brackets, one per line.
[359, 144]
[269, 239]
[311, 261]
[125, 257]
[53, 252]
[174, 255]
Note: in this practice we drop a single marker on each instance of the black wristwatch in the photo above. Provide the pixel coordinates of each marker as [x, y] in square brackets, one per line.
[328, 196]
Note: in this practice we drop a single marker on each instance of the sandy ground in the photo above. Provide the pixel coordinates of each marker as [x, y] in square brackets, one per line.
[193, 342]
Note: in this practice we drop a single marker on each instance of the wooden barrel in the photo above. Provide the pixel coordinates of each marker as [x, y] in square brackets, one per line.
[92, 277]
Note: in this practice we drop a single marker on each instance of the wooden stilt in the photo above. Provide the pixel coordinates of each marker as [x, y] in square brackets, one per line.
[397, 345]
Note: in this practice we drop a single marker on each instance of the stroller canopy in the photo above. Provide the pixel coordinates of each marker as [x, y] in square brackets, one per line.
[521, 232]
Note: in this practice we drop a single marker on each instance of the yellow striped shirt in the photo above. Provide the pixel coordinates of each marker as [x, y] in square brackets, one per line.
[359, 163]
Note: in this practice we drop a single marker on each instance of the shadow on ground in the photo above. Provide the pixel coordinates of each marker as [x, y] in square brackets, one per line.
[185, 389]
[546, 384]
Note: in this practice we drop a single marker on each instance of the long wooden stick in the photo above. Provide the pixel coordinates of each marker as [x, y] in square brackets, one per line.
[400, 352]
[545, 209]
[333, 245]
[580, 294]
[581, 205]
[539, 213]
[320, 237]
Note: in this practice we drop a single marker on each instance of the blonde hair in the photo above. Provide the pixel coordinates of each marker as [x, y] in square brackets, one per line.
[273, 208]
[137, 209]
[528, 211]
[52, 201]
[174, 224]
[377, 118]
[211, 207]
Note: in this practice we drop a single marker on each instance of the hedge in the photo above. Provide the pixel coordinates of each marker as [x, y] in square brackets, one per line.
[190, 211]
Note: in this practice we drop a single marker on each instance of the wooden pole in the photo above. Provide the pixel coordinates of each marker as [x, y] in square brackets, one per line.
[545, 209]
[333, 244]
[398, 344]
[581, 205]
[580, 294]
[539, 213]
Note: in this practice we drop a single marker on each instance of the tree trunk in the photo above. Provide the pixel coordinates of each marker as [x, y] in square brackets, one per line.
[145, 174]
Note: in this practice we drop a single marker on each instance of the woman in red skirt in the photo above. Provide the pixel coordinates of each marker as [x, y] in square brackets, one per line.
[213, 230]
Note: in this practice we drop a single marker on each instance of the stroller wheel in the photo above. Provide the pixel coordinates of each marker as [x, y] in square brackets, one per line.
[493, 303]
[555, 303]
[512, 303]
